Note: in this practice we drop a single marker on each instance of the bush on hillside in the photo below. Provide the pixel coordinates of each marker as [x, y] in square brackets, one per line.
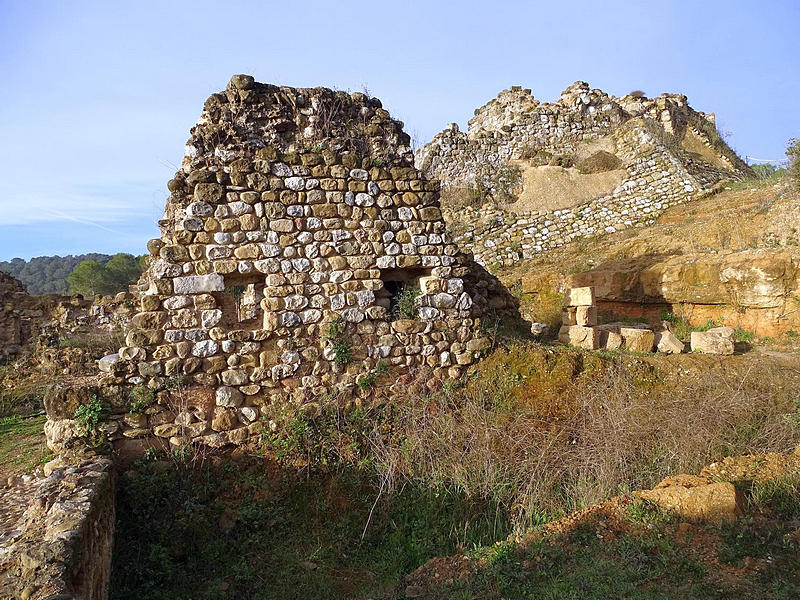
[793, 154]
[92, 277]
[599, 162]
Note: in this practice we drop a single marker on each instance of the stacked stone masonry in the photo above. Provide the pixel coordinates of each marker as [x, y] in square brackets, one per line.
[57, 531]
[292, 229]
[645, 134]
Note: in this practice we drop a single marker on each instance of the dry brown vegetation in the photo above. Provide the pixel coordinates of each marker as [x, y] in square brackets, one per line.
[546, 431]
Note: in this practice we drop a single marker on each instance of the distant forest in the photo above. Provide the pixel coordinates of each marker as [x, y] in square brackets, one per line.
[48, 274]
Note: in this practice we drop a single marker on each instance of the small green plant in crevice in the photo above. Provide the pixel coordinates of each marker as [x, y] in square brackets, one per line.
[88, 416]
[405, 303]
[742, 335]
[367, 381]
[342, 347]
[142, 398]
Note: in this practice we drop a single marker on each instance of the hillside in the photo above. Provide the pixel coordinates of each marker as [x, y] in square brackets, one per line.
[731, 257]
[47, 274]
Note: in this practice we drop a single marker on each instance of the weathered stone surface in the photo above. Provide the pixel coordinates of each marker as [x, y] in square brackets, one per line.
[718, 340]
[697, 499]
[668, 343]
[198, 284]
[636, 339]
[579, 296]
[106, 364]
[577, 335]
[58, 544]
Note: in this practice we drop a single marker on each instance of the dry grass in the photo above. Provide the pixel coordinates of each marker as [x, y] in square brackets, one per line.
[547, 431]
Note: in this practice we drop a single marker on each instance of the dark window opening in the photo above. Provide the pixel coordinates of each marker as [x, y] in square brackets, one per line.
[400, 290]
[241, 301]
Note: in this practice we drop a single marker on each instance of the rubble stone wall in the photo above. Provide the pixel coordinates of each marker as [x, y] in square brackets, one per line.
[295, 221]
[645, 134]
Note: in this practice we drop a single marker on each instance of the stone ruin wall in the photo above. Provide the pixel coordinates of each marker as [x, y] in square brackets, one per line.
[14, 326]
[57, 531]
[515, 125]
[294, 209]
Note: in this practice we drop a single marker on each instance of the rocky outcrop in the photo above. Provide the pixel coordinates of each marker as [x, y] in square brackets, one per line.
[757, 290]
[696, 498]
[57, 532]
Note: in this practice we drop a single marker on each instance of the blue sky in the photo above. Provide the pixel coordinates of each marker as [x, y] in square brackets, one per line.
[98, 97]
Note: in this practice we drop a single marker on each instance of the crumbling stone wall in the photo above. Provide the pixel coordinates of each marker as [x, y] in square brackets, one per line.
[57, 531]
[15, 328]
[296, 218]
[644, 133]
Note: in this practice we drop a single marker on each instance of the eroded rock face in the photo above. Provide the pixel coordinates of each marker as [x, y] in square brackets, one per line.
[754, 289]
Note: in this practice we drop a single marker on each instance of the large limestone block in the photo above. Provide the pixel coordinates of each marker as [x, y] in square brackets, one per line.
[199, 284]
[668, 343]
[718, 340]
[579, 296]
[694, 498]
[577, 335]
[636, 339]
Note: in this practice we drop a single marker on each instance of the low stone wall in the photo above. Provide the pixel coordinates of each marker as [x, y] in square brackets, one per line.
[57, 532]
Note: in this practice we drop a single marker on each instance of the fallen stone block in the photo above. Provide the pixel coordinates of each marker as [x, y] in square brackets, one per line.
[696, 499]
[581, 296]
[668, 343]
[718, 340]
[637, 340]
[577, 335]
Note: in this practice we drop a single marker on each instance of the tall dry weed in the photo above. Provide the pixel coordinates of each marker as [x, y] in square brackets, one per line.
[548, 431]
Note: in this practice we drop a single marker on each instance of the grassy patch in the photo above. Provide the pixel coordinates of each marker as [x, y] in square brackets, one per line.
[545, 431]
[245, 529]
[22, 445]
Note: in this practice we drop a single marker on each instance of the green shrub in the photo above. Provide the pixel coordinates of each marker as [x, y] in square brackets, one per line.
[405, 303]
[88, 416]
[793, 154]
[342, 347]
[142, 397]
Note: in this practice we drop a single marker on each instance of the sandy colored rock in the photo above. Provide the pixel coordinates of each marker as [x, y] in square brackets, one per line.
[579, 296]
[586, 316]
[577, 335]
[697, 500]
[718, 340]
[636, 339]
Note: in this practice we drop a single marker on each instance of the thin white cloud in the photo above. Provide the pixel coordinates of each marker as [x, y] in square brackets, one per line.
[99, 206]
